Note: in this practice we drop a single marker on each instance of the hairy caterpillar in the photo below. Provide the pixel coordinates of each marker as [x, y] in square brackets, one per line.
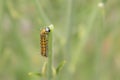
[44, 40]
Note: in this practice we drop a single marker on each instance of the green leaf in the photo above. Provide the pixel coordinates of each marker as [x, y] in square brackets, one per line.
[59, 68]
[35, 74]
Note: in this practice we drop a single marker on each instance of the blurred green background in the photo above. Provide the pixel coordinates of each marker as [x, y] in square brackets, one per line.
[86, 36]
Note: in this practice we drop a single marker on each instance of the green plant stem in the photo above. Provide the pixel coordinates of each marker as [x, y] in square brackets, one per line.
[1, 13]
[1, 27]
[68, 25]
[41, 12]
[50, 56]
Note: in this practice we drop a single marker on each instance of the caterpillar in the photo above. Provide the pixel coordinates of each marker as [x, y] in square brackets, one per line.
[44, 40]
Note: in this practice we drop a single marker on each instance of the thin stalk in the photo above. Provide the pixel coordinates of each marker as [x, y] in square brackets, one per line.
[2, 41]
[41, 12]
[79, 48]
[50, 53]
[68, 25]
[1, 13]
[99, 44]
